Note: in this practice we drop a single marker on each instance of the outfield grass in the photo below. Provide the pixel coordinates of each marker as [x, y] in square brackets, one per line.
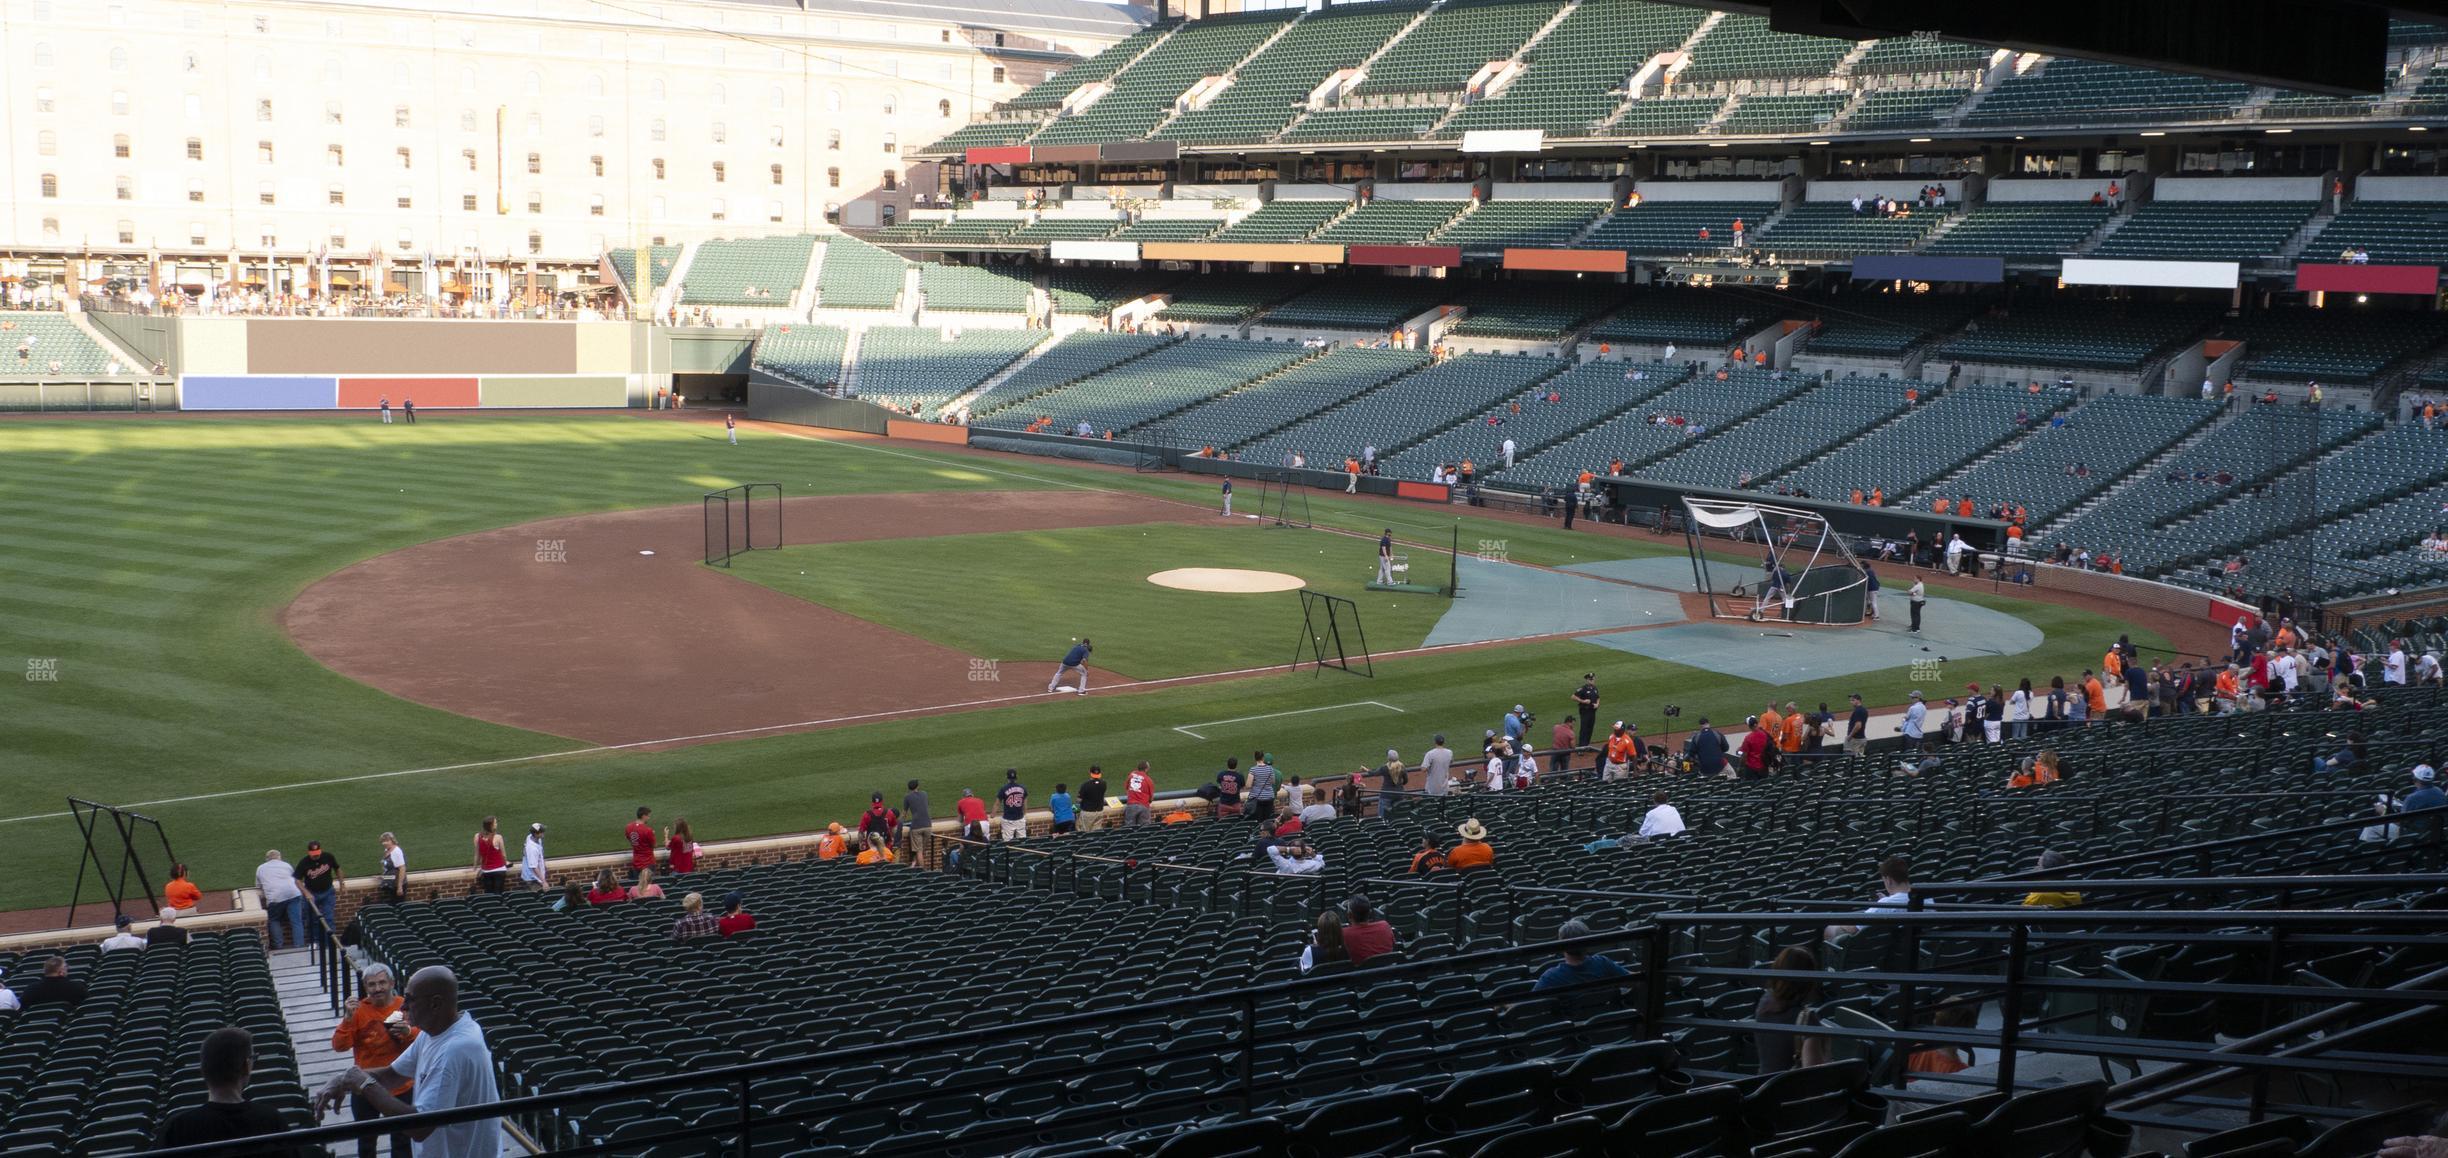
[1050, 587]
[150, 559]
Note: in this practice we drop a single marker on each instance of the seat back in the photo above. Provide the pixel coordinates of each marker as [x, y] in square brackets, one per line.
[2292, 1130]
[1369, 1124]
[1796, 1101]
[2363, 1135]
[1569, 1138]
[1928, 1136]
[1255, 1138]
[1705, 1123]
[2041, 1124]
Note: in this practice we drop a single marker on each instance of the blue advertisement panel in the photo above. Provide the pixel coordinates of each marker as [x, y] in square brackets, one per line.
[1906, 267]
[258, 392]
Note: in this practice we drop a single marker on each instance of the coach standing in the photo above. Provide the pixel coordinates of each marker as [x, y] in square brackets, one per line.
[1586, 699]
[1914, 598]
[1385, 557]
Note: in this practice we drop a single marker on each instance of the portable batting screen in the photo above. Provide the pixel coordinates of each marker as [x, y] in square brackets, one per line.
[1331, 635]
[1806, 573]
[747, 517]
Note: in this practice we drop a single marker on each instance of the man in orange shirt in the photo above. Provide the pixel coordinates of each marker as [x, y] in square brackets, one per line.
[1473, 852]
[2094, 694]
[1773, 724]
[2113, 665]
[373, 1041]
[1878, 496]
[1795, 725]
[1939, 507]
[1621, 747]
[1963, 507]
[2224, 691]
[1856, 500]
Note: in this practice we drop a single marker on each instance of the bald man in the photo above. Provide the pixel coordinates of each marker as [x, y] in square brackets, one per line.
[449, 1063]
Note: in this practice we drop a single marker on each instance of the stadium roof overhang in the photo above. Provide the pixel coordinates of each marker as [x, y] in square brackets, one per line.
[2331, 46]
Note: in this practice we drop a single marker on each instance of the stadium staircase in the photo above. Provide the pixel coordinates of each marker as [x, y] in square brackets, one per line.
[2107, 229]
[1229, 75]
[128, 362]
[2311, 231]
[1570, 6]
[1624, 106]
[1418, 18]
[2144, 473]
[803, 300]
[850, 362]
[964, 398]
[1996, 75]
[667, 295]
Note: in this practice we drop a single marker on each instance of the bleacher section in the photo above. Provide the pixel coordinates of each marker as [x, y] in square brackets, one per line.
[2020, 229]
[2072, 91]
[1282, 399]
[1914, 108]
[1392, 222]
[1144, 92]
[1096, 290]
[1046, 229]
[1884, 325]
[747, 271]
[983, 135]
[1406, 409]
[973, 289]
[1525, 224]
[1050, 92]
[2208, 230]
[1666, 116]
[1584, 394]
[1366, 123]
[1441, 54]
[101, 1076]
[1266, 92]
[1915, 54]
[1832, 229]
[1571, 76]
[973, 231]
[1283, 221]
[1695, 319]
[1219, 299]
[2257, 445]
[1706, 404]
[858, 276]
[2413, 232]
[1744, 46]
[1799, 113]
[1152, 386]
[624, 266]
[30, 342]
[2370, 499]
[2059, 466]
[918, 368]
[1936, 439]
[2333, 345]
[808, 355]
[1673, 227]
[1077, 355]
[1757, 450]
[1532, 311]
[1362, 303]
[2106, 335]
[1169, 229]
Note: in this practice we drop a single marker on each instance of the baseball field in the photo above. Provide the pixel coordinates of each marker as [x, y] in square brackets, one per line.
[265, 631]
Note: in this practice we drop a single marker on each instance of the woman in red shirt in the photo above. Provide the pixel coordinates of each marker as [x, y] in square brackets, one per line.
[682, 847]
[492, 867]
[607, 889]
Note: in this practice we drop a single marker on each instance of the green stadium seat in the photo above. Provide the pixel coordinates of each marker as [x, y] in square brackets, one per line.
[1077, 355]
[1573, 77]
[2208, 230]
[973, 289]
[1518, 223]
[918, 368]
[1832, 229]
[1915, 54]
[2406, 232]
[808, 355]
[624, 265]
[2107, 336]
[1673, 227]
[1362, 303]
[1744, 46]
[1281, 399]
[2020, 229]
[1144, 93]
[750, 271]
[30, 342]
[1281, 221]
[1267, 89]
[858, 276]
[1390, 222]
[2067, 90]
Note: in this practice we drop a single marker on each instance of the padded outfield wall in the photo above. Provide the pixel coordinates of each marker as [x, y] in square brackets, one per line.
[354, 363]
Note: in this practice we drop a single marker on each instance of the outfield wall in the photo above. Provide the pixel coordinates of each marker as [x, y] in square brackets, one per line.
[429, 392]
[444, 364]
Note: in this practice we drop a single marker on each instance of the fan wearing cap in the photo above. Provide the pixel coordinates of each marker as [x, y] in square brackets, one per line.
[736, 918]
[1758, 750]
[1474, 851]
[318, 873]
[2426, 792]
[532, 875]
[126, 937]
[833, 843]
[1916, 722]
[1585, 700]
[1622, 747]
[1516, 722]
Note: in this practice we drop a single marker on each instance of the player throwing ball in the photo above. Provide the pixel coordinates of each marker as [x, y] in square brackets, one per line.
[1074, 660]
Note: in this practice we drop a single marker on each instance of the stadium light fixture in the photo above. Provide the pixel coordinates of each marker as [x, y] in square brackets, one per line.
[1717, 144]
[1819, 142]
[2276, 132]
[2418, 128]
[1920, 140]
[2156, 133]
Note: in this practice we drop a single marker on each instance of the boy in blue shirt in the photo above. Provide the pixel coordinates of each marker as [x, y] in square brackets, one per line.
[1066, 817]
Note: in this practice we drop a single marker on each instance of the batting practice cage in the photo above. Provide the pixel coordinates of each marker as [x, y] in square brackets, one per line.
[120, 844]
[1806, 574]
[1283, 501]
[742, 518]
[1331, 635]
[1425, 574]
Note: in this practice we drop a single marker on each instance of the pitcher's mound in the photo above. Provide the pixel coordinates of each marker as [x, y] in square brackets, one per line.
[1229, 580]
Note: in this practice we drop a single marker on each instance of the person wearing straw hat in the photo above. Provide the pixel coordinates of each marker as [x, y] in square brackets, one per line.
[1474, 851]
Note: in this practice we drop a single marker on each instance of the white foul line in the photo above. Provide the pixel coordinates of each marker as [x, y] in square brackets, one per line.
[1185, 729]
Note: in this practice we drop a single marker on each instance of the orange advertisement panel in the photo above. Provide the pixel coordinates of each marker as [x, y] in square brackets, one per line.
[1425, 492]
[366, 393]
[926, 431]
[1227, 251]
[1567, 260]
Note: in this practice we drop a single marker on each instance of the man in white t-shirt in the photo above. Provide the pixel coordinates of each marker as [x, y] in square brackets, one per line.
[2393, 670]
[125, 938]
[1895, 882]
[284, 906]
[1663, 819]
[450, 1064]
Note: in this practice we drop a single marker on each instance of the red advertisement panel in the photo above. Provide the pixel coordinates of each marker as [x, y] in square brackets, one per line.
[365, 393]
